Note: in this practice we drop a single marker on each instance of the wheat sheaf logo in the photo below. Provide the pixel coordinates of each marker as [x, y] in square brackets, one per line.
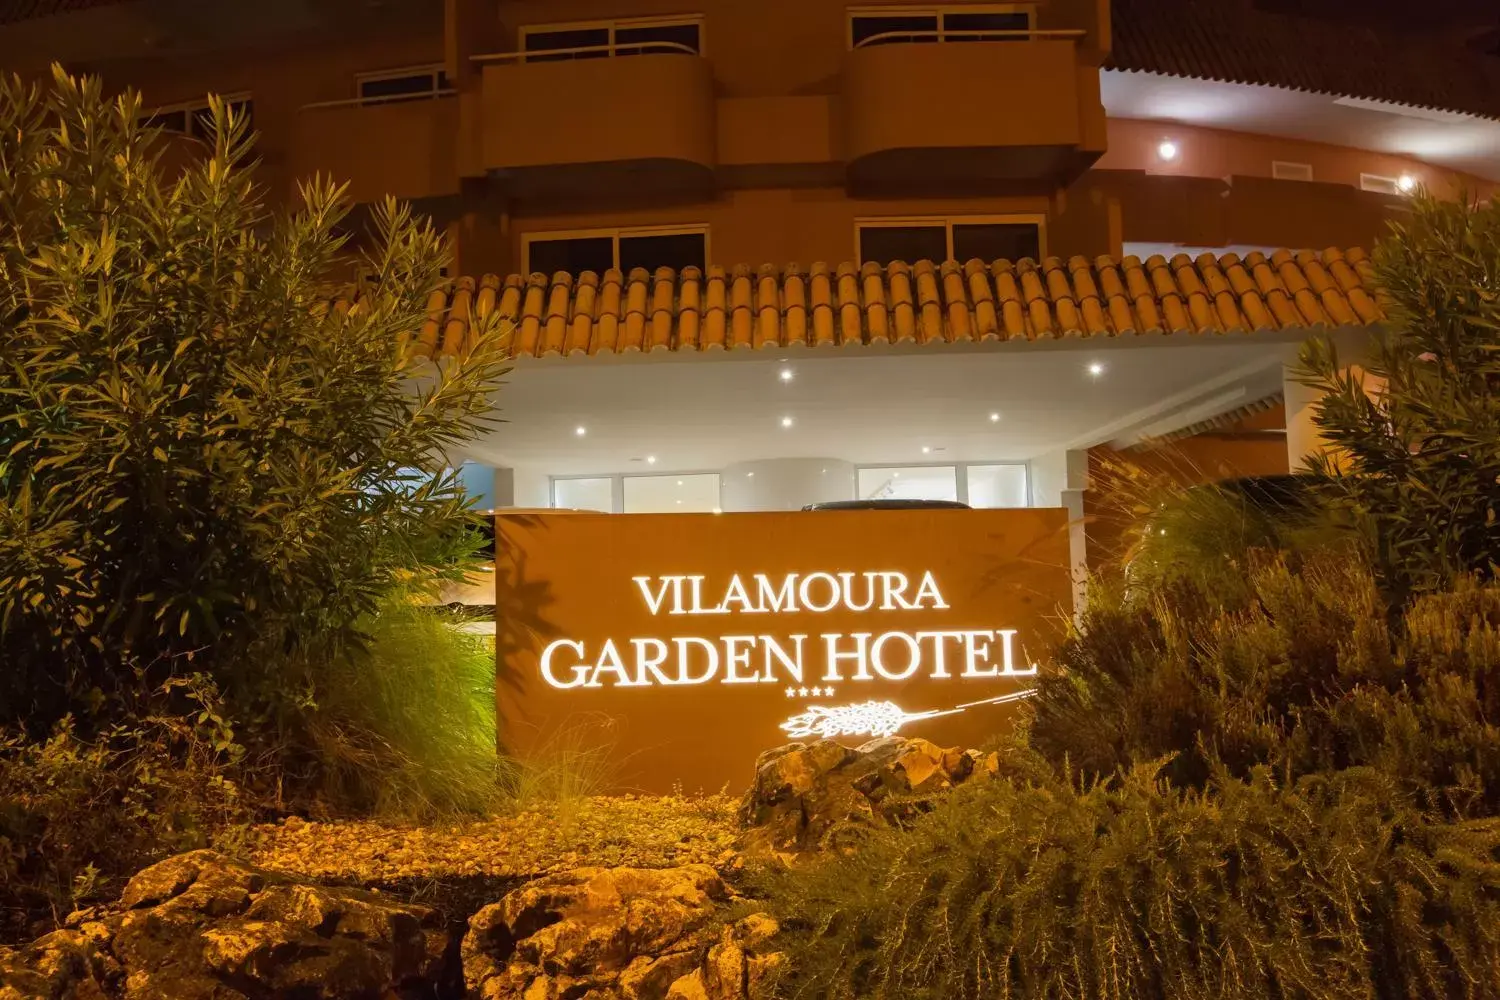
[874, 718]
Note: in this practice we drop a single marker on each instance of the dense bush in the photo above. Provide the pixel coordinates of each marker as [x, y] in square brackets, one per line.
[80, 814]
[205, 469]
[1268, 768]
[1416, 434]
[1331, 888]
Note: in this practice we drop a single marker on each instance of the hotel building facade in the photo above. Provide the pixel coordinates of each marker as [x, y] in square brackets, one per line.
[764, 254]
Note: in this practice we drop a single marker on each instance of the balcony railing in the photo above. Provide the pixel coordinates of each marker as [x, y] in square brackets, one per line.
[974, 35]
[611, 50]
[401, 144]
[361, 102]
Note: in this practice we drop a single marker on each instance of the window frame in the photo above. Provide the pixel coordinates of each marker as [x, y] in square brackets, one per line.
[616, 234]
[191, 108]
[938, 10]
[612, 25]
[617, 486]
[1281, 169]
[1380, 181]
[960, 474]
[948, 222]
[434, 70]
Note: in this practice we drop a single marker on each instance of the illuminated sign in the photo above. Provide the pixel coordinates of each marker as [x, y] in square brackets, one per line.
[837, 657]
[701, 640]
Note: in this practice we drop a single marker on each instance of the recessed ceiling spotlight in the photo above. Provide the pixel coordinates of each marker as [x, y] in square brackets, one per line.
[1406, 183]
[718, 510]
[787, 375]
[787, 421]
[679, 482]
[926, 450]
[679, 501]
[994, 418]
[1167, 150]
[749, 475]
[650, 459]
[1096, 368]
[580, 430]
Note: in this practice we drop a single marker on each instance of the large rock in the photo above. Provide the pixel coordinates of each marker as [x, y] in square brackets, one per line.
[813, 796]
[202, 927]
[618, 934]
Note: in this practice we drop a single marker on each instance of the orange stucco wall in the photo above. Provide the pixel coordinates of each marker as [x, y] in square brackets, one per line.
[768, 134]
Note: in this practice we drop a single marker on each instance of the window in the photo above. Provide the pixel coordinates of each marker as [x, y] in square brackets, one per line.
[195, 119]
[1004, 238]
[595, 493]
[684, 494]
[1281, 170]
[911, 482]
[997, 486]
[598, 40]
[889, 26]
[601, 249]
[1384, 185]
[409, 84]
[668, 493]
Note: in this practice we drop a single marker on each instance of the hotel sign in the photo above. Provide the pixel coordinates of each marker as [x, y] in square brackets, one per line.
[690, 643]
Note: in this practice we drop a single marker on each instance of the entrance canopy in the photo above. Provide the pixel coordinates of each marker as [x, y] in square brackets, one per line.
[878, 373]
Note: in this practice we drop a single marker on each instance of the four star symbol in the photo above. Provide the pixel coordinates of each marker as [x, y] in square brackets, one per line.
[813, 692]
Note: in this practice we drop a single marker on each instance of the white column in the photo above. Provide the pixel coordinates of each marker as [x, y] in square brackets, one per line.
[1058, 479]
[1304, 437]
[785, 483]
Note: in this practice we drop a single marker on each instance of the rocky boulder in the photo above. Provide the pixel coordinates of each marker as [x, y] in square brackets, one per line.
[619, 934]
[202, 926]
[813, 796]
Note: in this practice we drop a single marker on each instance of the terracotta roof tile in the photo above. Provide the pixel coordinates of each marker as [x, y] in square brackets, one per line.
[922, 303]
[1238, 41]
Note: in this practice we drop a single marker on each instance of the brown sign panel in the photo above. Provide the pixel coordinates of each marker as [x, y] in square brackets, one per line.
[703, 639]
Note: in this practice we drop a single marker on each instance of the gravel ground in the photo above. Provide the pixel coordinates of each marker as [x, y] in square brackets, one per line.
[638, 831]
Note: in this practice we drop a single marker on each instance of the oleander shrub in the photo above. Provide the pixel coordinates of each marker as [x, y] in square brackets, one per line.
[206, 470]
[1415, 425]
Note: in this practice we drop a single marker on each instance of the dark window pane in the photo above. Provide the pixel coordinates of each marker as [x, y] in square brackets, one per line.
[997, 241]
[170, 121]
[442, 79]
[883, 244]
[985, 22]
[584, 253]
[677, 35]
[565, 38]
[418, 84]
[674, 250]
[891, 27]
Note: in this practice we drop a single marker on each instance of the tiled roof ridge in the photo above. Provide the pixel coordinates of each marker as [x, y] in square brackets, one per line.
[843, 305]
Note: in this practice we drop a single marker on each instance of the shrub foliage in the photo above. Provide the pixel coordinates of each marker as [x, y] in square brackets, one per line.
[204, 468]
[1416, 434]
[1276, 775]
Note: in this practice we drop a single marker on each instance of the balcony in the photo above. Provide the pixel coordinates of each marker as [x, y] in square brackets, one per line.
[592, 119]
[399, 146]
[1248, 211]
[947, 113]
